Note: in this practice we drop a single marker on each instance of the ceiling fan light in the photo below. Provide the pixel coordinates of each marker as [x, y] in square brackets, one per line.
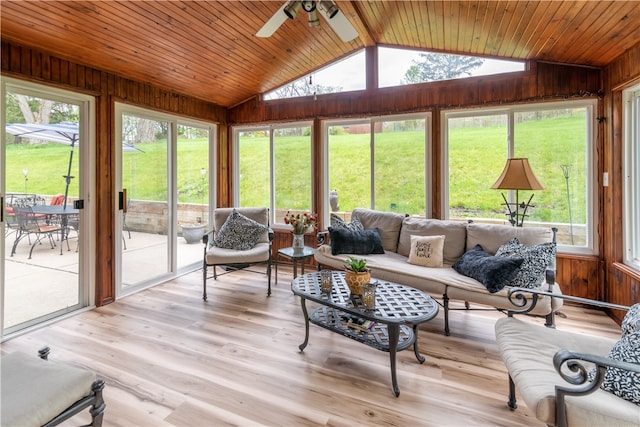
[314, 19]
[330, 8]
[292, 8]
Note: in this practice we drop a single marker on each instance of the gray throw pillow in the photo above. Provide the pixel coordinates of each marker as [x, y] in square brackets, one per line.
[622, 383]
[354, 225]
[492, 271]
[365, 242]
[536, 259]
[239, 232]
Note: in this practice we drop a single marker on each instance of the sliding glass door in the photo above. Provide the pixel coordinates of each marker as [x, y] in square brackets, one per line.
[46, 162]
[164, 179]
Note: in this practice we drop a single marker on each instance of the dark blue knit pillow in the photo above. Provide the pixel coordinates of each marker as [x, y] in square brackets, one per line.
[345, 241]
[492, 271]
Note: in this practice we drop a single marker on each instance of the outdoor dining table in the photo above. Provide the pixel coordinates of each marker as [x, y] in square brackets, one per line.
[63, 212]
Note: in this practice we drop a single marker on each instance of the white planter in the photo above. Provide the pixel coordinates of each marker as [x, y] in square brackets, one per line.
[192, 233]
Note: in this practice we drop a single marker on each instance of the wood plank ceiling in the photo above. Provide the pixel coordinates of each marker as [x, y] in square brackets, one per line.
[208, 49]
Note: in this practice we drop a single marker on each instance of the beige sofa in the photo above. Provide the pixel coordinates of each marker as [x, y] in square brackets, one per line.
[535, 356]
[395, 231]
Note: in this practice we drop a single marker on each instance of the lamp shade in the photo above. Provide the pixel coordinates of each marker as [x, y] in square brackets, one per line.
[517, 175]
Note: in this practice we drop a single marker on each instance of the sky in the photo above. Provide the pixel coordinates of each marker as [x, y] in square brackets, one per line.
[349, 73]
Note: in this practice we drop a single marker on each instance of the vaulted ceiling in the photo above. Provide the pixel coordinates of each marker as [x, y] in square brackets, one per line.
[208, 49]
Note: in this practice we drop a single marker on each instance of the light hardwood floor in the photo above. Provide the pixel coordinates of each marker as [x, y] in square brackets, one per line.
[170, 359]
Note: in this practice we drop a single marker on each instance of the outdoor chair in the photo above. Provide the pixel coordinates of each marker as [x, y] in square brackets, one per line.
[36, 392]
[32, 224]
[240, 238]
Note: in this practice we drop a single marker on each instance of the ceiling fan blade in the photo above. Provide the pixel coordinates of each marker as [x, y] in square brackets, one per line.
[341, 25]
[273, 23]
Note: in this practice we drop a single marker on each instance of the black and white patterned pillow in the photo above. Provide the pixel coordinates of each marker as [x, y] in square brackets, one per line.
[536, 259]
[354, 225]
[622, 383]
[631, 321]
[239, 232]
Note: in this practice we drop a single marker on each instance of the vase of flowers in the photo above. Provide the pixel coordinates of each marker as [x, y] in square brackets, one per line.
[300, 223]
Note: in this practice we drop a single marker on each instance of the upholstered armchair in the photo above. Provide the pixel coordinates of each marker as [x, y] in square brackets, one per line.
[239, 239]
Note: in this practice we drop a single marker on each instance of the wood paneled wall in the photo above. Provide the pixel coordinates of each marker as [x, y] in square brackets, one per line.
[27, 64]
[622, 282]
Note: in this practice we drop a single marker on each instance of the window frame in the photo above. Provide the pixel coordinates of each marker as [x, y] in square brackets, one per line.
[371, 121]
[631, 177]
[592, 199]
[273, 220]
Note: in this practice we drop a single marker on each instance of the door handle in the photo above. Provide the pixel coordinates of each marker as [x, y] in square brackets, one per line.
[122, 200]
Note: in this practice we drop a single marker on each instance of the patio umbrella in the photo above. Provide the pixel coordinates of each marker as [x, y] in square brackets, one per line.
[67, 133]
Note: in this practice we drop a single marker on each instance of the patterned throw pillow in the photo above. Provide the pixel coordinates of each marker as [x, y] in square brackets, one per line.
[426, 251]
[354, 225]
[622, 383]
[536, 259]
[239, 232]
[631, 321]
[492, 271]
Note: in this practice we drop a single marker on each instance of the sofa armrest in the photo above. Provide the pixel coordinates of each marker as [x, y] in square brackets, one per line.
[570, 367]
[322, 237]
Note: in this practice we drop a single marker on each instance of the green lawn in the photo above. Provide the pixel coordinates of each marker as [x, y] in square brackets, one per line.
[476, 157]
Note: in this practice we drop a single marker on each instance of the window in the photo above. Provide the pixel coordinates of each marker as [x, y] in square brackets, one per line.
[632, 177]
[341, 76]
[558, 141]
[401, 66]
[378, 163]
[274, 168]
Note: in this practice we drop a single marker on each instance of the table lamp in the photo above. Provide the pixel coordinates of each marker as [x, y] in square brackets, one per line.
[517, 175]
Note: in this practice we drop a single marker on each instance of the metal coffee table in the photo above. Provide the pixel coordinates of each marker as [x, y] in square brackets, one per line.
[399, 310]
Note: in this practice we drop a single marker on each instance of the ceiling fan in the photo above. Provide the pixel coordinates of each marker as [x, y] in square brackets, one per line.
[325, 8]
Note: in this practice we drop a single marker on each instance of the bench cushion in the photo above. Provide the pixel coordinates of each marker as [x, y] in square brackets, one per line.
[527, 350]
[34, 390]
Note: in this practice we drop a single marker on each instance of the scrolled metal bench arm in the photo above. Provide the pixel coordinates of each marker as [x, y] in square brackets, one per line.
[570, 366]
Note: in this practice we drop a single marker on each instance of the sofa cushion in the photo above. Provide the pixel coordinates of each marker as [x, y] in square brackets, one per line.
[426, 250]
[620, 382]
[239, 232]
[631, 321]
[492, 236]
[492, 271]
[536, 259]
[388, 224]
[345, 241]
[337, 222]
[455, 236]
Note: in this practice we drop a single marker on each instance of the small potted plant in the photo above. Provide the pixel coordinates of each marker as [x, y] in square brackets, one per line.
[356, 274]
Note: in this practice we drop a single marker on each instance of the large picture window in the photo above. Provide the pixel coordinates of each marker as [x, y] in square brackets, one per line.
[378, 163]
[274, 168]
[557, 139]
[632, 177]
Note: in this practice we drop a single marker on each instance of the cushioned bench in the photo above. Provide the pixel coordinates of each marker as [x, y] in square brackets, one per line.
[559, 373]
[36, 392]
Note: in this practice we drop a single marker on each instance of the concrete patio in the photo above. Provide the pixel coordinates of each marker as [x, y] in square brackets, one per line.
[48, 282]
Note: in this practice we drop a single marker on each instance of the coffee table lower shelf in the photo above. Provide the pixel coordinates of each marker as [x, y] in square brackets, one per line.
[376, 337]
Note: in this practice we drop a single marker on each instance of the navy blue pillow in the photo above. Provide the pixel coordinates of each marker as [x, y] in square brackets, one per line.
[345, 241]
[492, 271]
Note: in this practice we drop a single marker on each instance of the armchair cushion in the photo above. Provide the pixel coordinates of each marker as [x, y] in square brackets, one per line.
[239, 232]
